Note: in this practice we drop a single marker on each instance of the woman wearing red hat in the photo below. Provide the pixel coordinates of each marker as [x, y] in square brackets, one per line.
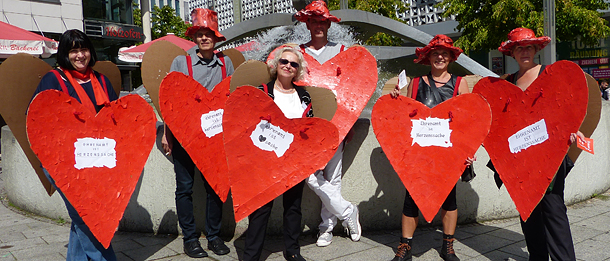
[547, 230]
[438, 86]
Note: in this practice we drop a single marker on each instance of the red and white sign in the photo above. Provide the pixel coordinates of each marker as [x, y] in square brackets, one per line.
[594, 61]
[586, 145]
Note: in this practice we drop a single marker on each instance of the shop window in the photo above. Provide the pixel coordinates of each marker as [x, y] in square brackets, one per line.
[119, 11]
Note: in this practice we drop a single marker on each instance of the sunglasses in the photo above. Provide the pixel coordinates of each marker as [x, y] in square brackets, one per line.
[293, 64]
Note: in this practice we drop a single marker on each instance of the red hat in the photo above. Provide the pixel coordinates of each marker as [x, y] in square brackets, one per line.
[205, 18]
[316, 8]
[440, 40]
[522, 36]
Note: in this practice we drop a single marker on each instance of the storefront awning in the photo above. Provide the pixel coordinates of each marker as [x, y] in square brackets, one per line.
[134, 54]
[16, 40]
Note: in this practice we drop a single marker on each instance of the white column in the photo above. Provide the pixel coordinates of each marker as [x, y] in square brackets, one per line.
[146, 20]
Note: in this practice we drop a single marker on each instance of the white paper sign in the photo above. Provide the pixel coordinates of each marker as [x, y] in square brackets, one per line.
[402, 79]
[431, 132]
[528, 136]
[211, 122]
[92, 152]
[269, 137]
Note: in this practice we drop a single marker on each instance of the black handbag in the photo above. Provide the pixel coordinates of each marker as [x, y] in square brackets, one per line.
[468, 174]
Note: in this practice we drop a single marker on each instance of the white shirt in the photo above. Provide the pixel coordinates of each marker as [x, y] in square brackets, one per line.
[289, 103]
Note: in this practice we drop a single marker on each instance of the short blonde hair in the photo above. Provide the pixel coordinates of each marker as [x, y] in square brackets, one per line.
[273, 64]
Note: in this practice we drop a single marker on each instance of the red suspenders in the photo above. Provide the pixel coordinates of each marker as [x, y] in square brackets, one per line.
[221, 56]
[303, 48]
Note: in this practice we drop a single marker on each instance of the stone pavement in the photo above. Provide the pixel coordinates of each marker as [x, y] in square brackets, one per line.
[27, 237]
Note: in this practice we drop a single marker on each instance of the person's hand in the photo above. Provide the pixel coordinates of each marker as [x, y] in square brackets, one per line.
[167, 141]
[470, 161]
[578, 134]
[394, 93]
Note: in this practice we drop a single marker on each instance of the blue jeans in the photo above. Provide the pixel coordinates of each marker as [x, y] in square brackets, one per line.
[82, 244]
[185, 177]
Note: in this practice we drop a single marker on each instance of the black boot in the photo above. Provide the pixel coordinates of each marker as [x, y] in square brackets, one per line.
[447, 252]
[404, 250]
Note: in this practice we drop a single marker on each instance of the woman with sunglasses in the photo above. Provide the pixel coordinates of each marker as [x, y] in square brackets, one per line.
[287, 67]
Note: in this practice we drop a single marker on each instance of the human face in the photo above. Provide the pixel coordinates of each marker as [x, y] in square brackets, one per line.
[205, 39]
[79, 58]
[286, 71]
[440, 58]
[524, 54]
[318, 27]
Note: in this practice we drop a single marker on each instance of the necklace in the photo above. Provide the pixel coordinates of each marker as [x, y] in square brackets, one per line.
[282, 90]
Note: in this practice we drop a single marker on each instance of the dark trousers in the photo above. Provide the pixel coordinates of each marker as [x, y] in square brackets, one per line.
[185, 177]
[547, 230]
[255, 235]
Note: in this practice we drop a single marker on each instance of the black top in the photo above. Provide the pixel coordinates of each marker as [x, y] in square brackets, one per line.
[432, 96]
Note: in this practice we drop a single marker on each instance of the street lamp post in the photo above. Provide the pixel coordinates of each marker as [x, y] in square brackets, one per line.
[550, 51]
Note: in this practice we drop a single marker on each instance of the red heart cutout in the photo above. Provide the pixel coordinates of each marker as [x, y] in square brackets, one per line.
[559, 97]
[258, 176]
[99, 194]
[351, 75]
[430, 172]
[183, 103]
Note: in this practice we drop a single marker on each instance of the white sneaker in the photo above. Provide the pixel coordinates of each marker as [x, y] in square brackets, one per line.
[324, 239]
[352, 225]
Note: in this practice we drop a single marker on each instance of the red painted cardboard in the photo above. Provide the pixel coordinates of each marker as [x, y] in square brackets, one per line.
[559, 96]
[257, 176]
[183, 101]
[99, 194]
[351, 75]
[429, 173]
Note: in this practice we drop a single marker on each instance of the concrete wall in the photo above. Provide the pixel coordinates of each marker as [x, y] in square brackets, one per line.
[369, 181]
[43, 16]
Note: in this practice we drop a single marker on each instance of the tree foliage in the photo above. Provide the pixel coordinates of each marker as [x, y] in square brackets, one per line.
[387, 8]
[163, 21]
[485, 23]
[137, 15]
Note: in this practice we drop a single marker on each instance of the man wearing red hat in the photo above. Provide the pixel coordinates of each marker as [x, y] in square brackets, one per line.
[209, 69]
[547, 230]
[327, 183]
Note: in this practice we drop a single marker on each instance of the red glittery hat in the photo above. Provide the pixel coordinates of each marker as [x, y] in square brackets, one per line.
[205, 18]
[523, 36]
[316, 8]
[440, 40]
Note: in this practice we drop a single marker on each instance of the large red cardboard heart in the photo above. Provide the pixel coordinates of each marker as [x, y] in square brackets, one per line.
[559, 97]
[99, 194]
[428, 171]
[195, 117]
[258, 176]
[351, 75]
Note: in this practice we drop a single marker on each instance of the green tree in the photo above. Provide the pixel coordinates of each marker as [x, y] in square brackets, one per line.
[137, 15]
[387, 8]
[164, 20]
[485, 23]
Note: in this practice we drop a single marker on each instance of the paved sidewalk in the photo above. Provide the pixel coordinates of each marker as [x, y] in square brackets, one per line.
[26, 237]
